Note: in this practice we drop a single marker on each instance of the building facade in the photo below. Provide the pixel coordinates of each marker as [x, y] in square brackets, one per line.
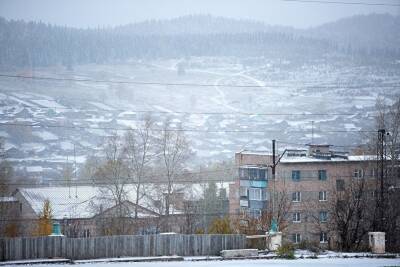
[305, 192]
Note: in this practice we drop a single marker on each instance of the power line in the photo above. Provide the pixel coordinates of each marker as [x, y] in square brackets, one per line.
[189, 84]
[342, 3]
[176, 129]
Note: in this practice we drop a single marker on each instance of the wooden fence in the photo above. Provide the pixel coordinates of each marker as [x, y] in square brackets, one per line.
[117, 246]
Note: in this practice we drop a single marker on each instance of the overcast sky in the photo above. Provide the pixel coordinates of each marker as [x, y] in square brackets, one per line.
[93, 13]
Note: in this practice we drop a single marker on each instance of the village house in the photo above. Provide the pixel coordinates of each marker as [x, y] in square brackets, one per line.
[85, 211]
[302, 194]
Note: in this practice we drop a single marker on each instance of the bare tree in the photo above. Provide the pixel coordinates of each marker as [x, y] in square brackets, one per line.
[6, 172]
[387, 211]
[140, 151]
[351, 211]
[174, 152]
[111, 174]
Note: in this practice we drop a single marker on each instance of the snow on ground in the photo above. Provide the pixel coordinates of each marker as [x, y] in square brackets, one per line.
[35, 147]
[52, 158]
[24, 103]
[197, 120]
[4, 134]
[34, 169]
[128, 123]
[162, 109]
[101, 106]
[66, 145]
[45, 135]
[48, 103]
[97, 119]
[126, 113]
[252, 263]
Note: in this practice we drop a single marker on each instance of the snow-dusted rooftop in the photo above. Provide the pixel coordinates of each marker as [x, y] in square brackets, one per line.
[84, 201]
[332, 159]
[8, 199]
[258, 153]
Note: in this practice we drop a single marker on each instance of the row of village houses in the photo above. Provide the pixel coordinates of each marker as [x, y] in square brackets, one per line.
[305, 182]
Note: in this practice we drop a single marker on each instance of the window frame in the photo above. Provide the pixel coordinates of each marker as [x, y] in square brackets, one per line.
[323, 219]
[323, 238]
[324, 195]
[322, 175]
[241, 190]
[296, 238]
[296, 175]
[298, 196]
[340, 182]
[358, 173]
[296, 218]
[252, 193]
[255, 213]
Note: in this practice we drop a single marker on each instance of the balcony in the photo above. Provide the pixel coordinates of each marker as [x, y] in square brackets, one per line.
[254, 183]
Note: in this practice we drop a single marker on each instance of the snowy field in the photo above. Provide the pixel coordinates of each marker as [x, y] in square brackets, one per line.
[250, 263]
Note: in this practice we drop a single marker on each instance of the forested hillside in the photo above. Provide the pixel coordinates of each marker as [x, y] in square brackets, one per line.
[30, 45]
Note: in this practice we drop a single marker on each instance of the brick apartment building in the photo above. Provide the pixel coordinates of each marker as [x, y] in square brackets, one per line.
[306, 180]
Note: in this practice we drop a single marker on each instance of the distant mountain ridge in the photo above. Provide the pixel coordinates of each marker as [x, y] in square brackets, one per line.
[192, 24]
[373, 31]
[31, 44]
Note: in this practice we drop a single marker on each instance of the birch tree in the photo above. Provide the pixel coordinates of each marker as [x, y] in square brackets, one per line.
[111, 174]
[174, 152]
[140, 152]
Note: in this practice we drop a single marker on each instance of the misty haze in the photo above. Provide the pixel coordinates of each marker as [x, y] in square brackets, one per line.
[132, 118]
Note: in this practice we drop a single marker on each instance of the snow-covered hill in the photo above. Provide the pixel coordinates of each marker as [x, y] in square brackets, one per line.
[75, 117]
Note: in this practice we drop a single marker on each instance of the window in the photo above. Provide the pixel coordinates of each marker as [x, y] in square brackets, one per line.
[323, 237]
[296, 175]
[86, 233]
[296, 217]
[373, 172]
[322, 196]
[296, 196]
[243, 212]
[253, 173]
[261, 173]
[255, 194]
[296, 238]
[255, 213]
[340, 185]
[358, 195]
[323, 216]
[322, 175]
[243, 191]
[358, 173]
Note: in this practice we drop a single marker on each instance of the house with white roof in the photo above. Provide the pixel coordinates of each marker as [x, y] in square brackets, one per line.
[84, 211]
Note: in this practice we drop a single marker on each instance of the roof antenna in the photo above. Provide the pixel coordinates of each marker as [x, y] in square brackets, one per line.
[312, 132]
[67, 177]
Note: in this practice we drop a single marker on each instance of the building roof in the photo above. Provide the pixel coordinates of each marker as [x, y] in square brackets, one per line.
[80, 201]
[85, 201]
[8, 199]
[253, 152]
[333, 159]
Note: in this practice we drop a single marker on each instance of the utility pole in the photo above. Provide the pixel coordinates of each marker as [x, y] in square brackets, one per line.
[76, 183]
[381, 167]
[273, 167]
[275, 162]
